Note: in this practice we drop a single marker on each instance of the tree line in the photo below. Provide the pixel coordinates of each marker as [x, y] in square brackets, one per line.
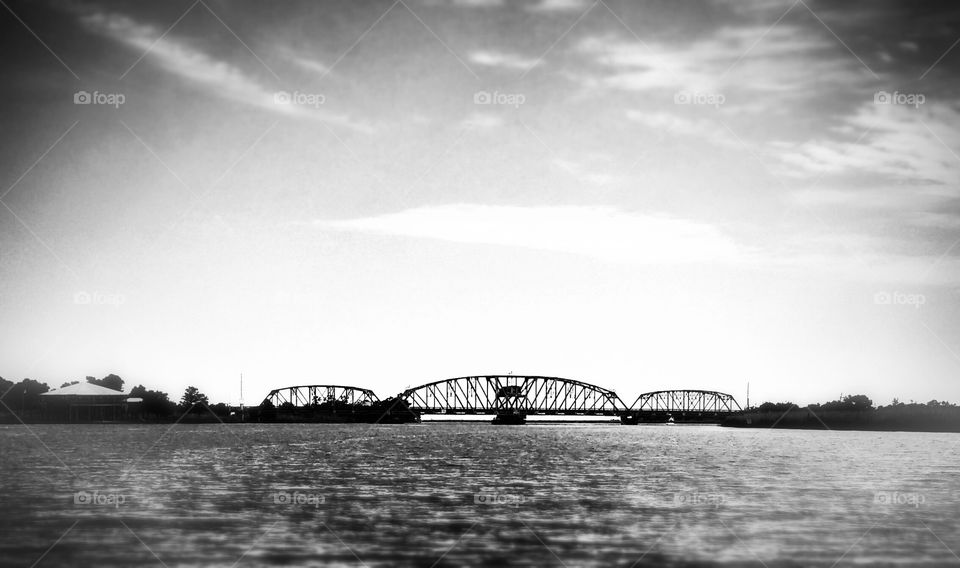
[23, 398]
[854, 402]
[853, 412]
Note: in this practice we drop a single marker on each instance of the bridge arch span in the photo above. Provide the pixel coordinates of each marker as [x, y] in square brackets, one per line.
[522, 394]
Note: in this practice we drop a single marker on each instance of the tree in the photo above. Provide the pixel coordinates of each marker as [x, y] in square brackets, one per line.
[155, 403]
[850, 402]
[69, 384]
[858, 402]
[776, 407]
[24, 395]
[221, 409]
[193, 400]
[111, 381]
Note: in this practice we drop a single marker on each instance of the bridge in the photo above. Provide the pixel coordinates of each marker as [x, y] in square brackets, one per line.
[681, 405]
[307, 395]
[332, 403]
[511, 398]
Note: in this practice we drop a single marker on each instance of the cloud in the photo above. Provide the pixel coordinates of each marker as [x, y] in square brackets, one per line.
[699, 129]
[910, 46]
[311, 65]
[589, 171]
[560, 6]
[891, 198]
[466, 3]
[893, 140]
[216, 77]
[503, 60]
[478, 3]
[600, 232]
[482, 121]
[785, 62]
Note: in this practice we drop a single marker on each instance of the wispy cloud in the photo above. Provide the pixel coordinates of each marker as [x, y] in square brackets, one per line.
[601, 232]
[478, 3]
[311, 65]
[783, 61]
[615, 235]
[699, 129]
[214, 76]
[590, 170]
[890, 198]
[559, 5]
[900, 141]
[503, 60]
[465, 3]
[482, 121]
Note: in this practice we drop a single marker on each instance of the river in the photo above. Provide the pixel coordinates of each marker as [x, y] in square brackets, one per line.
[455, 494]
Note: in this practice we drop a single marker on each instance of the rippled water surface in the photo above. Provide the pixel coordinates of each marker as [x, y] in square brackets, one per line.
[453, 494]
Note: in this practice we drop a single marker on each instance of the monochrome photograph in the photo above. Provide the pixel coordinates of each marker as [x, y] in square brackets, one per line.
[442, 283]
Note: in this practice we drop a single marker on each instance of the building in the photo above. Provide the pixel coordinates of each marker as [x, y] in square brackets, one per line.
[84, 402]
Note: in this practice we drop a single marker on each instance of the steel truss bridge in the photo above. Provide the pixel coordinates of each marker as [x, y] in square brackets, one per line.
[513, 394]
[681, 406]
[307, 395]
[685, 401]
[520, 396]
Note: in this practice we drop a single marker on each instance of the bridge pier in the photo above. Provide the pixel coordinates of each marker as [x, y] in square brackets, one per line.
[679, 417]
[514, 418]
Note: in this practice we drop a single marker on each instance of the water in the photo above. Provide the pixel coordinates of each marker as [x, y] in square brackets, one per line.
[475, 494]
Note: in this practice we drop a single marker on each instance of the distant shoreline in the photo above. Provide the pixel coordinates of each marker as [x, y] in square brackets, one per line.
[902, 418]
[894, 418]
[792, 421]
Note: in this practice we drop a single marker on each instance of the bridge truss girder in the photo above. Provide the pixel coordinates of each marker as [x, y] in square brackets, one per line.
[496, 394]
[306, 395]
[685, 401]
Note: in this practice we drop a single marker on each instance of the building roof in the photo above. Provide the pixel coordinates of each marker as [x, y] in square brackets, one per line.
[83, 389]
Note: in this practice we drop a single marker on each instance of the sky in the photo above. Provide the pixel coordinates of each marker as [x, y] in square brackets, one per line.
[640, 195]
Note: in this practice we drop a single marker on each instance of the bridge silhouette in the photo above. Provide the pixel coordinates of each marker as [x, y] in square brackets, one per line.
[305, 395]
[511, 398]
[682, 406]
